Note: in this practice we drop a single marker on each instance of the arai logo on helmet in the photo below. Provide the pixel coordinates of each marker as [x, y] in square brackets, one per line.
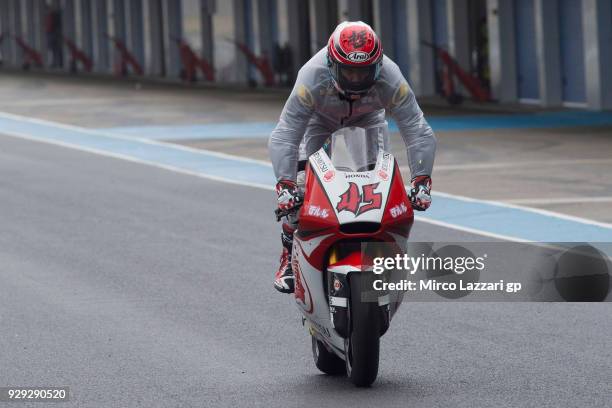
[357, 56]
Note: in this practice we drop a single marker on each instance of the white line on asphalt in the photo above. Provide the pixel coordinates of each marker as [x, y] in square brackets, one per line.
[518, 164]
[417, 217]
[530, 209]
[230, 181]
[256, 185]
[131, 139]
[134, 160]
[562, 200]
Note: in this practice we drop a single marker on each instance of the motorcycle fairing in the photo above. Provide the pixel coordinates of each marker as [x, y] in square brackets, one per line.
[321, 226]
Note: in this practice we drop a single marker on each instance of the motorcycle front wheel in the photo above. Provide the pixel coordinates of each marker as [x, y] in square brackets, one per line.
[325, 360]
[362, 347]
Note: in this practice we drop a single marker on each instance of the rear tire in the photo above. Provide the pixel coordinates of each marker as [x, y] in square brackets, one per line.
[363, 345]
[326, 361]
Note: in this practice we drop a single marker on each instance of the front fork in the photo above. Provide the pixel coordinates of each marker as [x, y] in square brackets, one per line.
[339, 294]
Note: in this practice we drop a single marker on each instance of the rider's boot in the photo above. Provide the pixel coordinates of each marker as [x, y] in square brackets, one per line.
[283, 280]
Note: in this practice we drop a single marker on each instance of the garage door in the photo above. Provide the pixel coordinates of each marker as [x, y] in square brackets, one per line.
[572, 51]
[527, 67]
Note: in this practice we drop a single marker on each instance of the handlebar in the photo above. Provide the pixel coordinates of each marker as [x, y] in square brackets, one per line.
[300, 201]
[284, 213]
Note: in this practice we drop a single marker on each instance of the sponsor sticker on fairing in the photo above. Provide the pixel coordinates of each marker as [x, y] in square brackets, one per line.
[398, 210]
[337, 285]
[316, 211]
[349, 176]
[386, 162]
[320, 162]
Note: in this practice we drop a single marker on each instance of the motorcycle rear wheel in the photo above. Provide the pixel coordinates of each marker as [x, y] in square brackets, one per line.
[362, 348]
[325, 360]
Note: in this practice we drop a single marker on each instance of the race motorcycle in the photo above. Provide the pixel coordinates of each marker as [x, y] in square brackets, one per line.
[354, 198]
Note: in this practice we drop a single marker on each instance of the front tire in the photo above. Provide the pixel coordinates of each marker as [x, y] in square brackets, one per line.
[362, 347]
[325, 360]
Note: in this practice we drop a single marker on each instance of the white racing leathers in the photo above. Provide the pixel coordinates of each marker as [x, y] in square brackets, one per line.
[315, 110]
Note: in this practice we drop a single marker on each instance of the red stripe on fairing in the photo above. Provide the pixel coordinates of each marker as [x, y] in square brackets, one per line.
[396, 197]
[311, 225]
[301, 283]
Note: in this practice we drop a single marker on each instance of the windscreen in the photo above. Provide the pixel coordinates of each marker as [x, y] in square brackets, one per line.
[355, 149]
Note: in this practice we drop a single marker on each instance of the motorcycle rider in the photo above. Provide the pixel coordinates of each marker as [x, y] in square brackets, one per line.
[348, 83]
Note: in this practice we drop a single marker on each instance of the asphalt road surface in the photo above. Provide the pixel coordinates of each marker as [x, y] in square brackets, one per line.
[137, 286]
[560, 168]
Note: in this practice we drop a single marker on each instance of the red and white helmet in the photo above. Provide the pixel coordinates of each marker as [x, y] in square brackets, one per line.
[354, 54]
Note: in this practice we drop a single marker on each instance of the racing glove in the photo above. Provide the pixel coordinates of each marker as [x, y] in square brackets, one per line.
[420, 193]
[288, 195]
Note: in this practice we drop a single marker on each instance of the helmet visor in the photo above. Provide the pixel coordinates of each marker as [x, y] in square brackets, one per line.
[355, 78]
